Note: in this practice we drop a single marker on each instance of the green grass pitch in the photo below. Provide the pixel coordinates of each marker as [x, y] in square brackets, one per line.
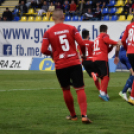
[31, 102]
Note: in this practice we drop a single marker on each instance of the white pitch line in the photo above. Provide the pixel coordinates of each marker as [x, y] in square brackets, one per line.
[26, 89]
[48, 88]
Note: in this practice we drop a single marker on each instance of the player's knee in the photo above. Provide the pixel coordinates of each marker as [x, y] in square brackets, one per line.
[79, 88]
[66, 88]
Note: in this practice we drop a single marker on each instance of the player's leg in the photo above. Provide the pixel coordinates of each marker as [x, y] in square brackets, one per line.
[129, 81]
[131, 59]
[103, 72]
[89, 67]
[64, 80]
[130, 88]
[77, 79]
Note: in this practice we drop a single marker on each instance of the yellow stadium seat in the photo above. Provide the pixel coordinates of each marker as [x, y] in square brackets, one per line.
[122, 18]
[45, 18]
[23, 18]
[130, 17]
[119, 3]
[120, 10]
[31, 18]
[38, 18]
[30, 11]
[37, 9]
[51, 19]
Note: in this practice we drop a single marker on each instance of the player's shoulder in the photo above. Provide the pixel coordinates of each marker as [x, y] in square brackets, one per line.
[130, 25]
[69, 26]
[90, 42]
[86, 41]
[66, 25]
[103, 35]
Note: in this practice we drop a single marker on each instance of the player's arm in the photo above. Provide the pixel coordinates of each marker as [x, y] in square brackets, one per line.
[117, 51]
[123, 40]
[79, 40]
[45, 45]
[116, 59]
[110, 48]
[107, 40]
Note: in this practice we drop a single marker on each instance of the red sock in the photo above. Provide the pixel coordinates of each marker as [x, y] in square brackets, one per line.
[132, 92]
[104, 84]
[97, 74]
[69, 101]
[97, 84]
[81, 96]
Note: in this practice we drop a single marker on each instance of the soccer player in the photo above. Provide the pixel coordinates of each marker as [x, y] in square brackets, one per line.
[88, 63]
[129, 35]
[121, 53]
[100, 58]
[62, 38]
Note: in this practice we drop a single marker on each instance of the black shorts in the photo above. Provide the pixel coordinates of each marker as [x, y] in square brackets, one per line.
[102, 68]
[131, 60]
[73, 73]
[89, 67]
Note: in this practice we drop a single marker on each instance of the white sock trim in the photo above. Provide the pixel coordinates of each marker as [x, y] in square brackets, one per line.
[102, 93]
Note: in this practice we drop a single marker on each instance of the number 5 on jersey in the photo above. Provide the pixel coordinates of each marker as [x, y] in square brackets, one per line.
[64, 42]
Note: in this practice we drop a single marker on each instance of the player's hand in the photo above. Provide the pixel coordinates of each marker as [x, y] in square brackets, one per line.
[116, 60]
[119, 43]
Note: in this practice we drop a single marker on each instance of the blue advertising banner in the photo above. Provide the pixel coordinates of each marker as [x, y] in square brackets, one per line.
[121, 66]
[47, 64]
[112, 66]
[43, 64]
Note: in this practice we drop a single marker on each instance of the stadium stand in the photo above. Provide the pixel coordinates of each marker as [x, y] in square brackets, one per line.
[111, 3]
[51, 19]
[114, 18]
[120, 10]
[30, 12]
[106, 18]
[112, 11]
[30, 18]
[105, 11]
[68, 18]
[10, 4]
[23, 18]
[129, 17]
[38, 18]
[45, 18]
[119, 3]
[75, 18]
[122, 18]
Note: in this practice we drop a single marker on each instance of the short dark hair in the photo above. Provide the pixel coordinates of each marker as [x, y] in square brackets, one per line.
[85, 34]
[103, 28]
